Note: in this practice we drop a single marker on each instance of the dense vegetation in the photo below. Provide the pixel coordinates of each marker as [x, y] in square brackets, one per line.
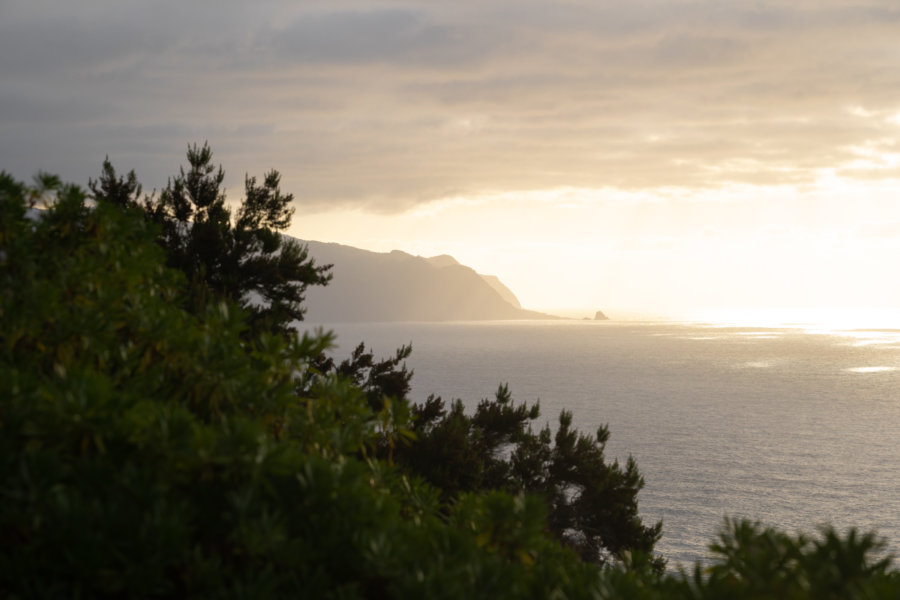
[164, 432]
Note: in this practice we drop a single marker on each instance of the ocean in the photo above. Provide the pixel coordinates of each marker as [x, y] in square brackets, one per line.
[793, 426]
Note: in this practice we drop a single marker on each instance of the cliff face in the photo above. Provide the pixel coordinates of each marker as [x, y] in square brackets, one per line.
[500, 288]
[396, 286]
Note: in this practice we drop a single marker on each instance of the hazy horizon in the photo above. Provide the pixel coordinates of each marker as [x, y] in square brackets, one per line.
[809, 319]
[657, 157]
[803, 317]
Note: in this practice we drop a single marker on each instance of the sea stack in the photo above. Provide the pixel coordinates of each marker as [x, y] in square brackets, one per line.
[600, 316]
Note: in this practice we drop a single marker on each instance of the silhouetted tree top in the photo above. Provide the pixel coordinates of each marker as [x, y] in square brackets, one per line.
[240, 257]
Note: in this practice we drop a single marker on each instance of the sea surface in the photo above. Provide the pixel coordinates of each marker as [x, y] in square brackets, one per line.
[793, 426]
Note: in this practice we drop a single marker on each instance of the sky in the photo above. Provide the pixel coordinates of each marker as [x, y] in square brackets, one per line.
[651, 155]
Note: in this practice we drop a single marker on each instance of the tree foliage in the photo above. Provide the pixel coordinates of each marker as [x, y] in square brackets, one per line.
[592, 503]
[240, 257]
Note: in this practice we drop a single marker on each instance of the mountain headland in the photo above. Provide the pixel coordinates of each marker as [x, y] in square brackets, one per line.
[397, 286]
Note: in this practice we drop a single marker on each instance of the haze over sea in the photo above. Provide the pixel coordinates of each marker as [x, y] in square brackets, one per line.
[795, 426]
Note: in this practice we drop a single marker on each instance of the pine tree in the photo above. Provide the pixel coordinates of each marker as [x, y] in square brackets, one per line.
[242, 257]
[592, 503]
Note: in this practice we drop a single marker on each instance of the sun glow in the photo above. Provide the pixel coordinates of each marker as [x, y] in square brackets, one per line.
[847, 321]
[671, 252]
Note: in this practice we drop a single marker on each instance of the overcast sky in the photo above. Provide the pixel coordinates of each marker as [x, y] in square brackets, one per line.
[648, 145]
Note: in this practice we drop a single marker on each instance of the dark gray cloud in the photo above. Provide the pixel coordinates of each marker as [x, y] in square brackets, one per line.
[388, 104]
[390, 36]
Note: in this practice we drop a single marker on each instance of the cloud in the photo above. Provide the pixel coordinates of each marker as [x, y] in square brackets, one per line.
[389, 36]
[391, 104]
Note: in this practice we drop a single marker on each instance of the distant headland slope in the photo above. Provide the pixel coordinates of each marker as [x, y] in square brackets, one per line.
[396, 286]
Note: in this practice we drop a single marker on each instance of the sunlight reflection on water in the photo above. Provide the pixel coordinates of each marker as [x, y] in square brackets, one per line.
[815, 320]
[757, 364]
